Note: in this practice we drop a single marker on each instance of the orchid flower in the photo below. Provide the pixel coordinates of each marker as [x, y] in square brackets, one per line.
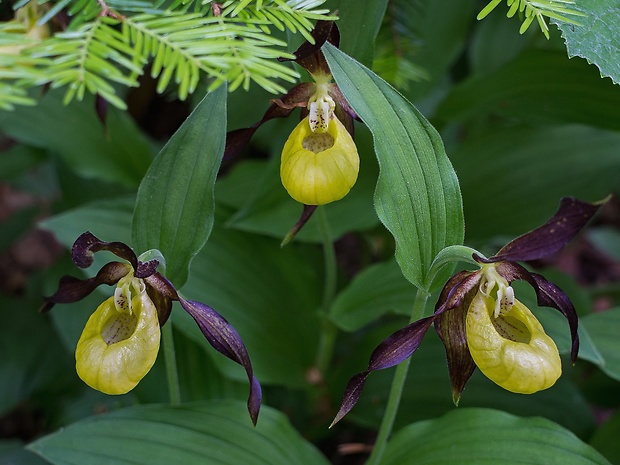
[120, 341]
[481, 323]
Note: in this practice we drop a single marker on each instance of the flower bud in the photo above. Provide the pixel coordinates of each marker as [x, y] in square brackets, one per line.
[511, 349]
[319, 167]
[120, 341]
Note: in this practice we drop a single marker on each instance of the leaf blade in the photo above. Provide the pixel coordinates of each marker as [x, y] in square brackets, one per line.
[218, 433]
[488, 436]
[417, 197]
[175, 204]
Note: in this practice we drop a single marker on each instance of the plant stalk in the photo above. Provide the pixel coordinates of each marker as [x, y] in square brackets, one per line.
[329, 331]
[396, 390]
[172, 373]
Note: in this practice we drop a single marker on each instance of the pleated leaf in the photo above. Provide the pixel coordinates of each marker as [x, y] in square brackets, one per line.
[417, 196]
[539, 86]
[214, 433]
[175, 203]
[376, 290]
[483, 436]
[602, 328]
[541, 165]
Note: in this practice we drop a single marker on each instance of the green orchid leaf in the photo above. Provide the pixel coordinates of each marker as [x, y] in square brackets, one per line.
[375, 291]
[440, 32]
[217, 433]
[109, 220]
[12, 452]
[269, 294]
[557, 328]
[117, 152]
[602, 328]
[541, 165]
[604, 438]
[471, 436]
[17, 160]
[32, 357]
[539, 86]
[359, 27]
[417, 196]
[495, 43]
[597, 37]
[175, 204]
[606, 239]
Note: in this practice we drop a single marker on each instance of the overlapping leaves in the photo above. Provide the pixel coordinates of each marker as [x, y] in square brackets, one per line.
[417, 196]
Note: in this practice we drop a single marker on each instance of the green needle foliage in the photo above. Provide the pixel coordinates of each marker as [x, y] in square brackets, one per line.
[108, 45]
[536, 9]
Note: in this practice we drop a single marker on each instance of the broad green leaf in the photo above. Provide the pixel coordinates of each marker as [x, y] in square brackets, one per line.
[484, 436]
[603, 329]
[441, 31]
[359, 27]
[606, 239]
[31, 357]
[512, 179]
[427, 391]
[18, 160]
[269, 294]
[199, 376]
[557, 328]
[175, 203]
[12, 452]
[375, 291]
[214, 433]
[605, 437]
[109, 220]
[116, 152]
[495, 42]
[16, 225]
[540, 86]
[597, 38]
[417, 196]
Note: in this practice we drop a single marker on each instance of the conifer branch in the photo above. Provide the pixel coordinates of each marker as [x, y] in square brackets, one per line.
[109, 44]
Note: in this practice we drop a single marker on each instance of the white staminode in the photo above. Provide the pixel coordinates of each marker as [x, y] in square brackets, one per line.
[505, 297]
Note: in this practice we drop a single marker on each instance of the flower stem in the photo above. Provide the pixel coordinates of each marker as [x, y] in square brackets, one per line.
[172, 373]
[329, 331]
[396, 391]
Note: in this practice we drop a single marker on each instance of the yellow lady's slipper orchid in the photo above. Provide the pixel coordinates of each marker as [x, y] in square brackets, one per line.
[481, 324]
[120, 341]
[511, 349]
[319, 167]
